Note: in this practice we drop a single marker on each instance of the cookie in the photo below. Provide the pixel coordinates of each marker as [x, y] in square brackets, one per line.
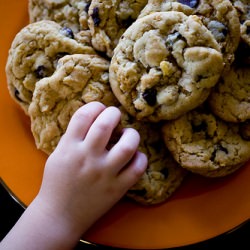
[72, 14]
[78, 79]
[164, 65]
[243, 9]
[163, 175]
[230, 98]
[33, 55]
[204, 144]
[108, 19]
[219, 16]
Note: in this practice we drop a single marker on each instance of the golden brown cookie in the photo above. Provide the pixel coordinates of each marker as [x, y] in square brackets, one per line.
[34, 54]
[72, 14]
[163, 175]
[164, 65]
[243, 9]
[78, 79]
[230, 98]
[204, 144]
[219, 16]
[108, 19]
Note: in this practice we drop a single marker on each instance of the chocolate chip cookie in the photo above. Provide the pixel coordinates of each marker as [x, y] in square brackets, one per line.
[108, 19]
[230, 98]
[78, 79]
[204, 144]
[243, 9]
[33, 55]
[72, 14]
[219, 16]
[163, 175]
[165, 65]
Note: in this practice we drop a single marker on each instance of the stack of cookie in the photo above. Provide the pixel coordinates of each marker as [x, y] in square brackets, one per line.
[174, 68]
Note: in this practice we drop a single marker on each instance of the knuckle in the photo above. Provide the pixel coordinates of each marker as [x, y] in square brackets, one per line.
[81, 115]
[128, 148]
[103, 126]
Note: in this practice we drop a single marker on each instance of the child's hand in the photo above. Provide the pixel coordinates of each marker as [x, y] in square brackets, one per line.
[83, 179]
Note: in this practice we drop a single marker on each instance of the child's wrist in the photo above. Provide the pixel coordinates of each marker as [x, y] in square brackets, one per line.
[56, 225]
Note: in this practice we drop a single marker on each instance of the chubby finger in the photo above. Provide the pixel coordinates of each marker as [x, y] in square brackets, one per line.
[82, 120]
[124, 150]
[132, 172]
[101, 130]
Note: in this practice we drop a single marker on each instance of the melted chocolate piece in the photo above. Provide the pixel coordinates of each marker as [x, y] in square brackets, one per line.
[95, 16]
[17, 95]
[149, 96]
[67, 32]
[87, 7]
[41, 72]
[217, 148]
[190, 3]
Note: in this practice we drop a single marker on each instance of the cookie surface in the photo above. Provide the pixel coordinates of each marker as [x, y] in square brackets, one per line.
[78, 79]
[230, 98]
[243, 9]
[163, 175]
[33, 55]
[164, 65]
[108, 19]
[219, 16]
[72, 14]
[206, 145]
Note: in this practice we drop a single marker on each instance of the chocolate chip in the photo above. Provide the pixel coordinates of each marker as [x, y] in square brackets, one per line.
[190, 3]
[149, 95]
[217, 148]
[95, 16]
[41, 72]
[17, 95]
[67, 32]
[87, 7]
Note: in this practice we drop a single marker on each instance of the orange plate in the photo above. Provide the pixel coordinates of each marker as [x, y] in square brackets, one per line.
[201, 209]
